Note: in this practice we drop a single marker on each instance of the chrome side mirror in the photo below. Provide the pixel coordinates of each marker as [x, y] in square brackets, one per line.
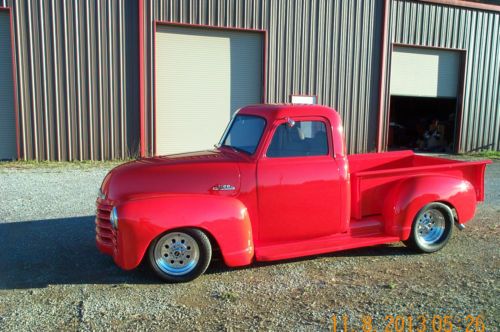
[290, 122]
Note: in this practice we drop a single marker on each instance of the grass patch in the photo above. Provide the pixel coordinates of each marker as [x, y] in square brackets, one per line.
[390, 285]
[491, 154]
[33, 164]
[228, 296]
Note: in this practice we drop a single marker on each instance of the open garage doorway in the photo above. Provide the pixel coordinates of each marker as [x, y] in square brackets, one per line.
[424, 99]
[422, 124]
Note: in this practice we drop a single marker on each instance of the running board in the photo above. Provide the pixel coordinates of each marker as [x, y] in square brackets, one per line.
[366, 227]
[337, 242]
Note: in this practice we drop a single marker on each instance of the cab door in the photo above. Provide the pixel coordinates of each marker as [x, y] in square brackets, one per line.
[298, 183]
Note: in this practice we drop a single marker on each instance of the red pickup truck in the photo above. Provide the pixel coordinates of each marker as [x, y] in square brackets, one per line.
[279, 185]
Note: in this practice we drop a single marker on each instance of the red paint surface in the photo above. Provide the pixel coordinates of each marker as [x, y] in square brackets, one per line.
[280, 207]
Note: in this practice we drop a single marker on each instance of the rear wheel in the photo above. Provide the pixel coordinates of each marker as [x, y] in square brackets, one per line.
[181, 255]
[432, 228]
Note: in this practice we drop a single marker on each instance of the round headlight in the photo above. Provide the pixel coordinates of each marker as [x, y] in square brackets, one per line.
[114, 218]
[101, 195]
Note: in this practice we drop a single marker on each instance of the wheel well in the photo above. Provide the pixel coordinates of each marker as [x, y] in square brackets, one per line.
[216, 252]
[453, 209]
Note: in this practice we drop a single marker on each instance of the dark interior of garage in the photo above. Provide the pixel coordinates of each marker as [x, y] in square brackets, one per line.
[422, 124]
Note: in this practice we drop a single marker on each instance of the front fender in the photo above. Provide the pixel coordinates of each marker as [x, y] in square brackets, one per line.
[410, 195]
[141, 220]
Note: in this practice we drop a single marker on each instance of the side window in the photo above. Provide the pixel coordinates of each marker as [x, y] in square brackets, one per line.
[305, 138]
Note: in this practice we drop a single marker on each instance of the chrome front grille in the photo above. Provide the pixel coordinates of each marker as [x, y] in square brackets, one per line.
[105, 234]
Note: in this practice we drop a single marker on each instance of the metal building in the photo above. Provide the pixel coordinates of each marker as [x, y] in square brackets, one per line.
[106, 79]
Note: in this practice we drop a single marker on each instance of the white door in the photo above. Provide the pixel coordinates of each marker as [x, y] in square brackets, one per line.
[422, 72]
[202, 77]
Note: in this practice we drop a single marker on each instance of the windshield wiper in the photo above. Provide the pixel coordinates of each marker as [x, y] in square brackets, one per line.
[236, 149]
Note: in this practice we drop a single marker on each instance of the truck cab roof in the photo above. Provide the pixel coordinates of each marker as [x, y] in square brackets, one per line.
[280, 111]
[275, 112]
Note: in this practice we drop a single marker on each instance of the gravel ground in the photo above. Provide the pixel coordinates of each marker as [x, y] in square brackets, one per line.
[53, 278]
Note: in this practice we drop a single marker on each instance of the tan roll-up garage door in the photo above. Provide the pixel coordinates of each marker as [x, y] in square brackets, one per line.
[7, 117]
[202, 77]
[422, 72]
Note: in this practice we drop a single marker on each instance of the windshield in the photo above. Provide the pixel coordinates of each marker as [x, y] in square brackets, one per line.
[244, 133]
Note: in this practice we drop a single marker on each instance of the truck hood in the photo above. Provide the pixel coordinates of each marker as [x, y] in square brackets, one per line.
[205, 172]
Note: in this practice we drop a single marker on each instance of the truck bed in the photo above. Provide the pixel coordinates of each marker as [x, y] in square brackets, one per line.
[374, 174]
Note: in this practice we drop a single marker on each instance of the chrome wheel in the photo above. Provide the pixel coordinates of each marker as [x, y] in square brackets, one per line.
[430, 226]
[176, 253]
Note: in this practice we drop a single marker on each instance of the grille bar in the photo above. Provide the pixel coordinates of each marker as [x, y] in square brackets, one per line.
[105, 234]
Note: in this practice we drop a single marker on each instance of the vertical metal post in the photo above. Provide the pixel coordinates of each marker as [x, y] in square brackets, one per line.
[383, 77]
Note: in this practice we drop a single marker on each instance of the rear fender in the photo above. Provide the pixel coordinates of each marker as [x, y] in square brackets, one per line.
[142, 219]
[410, 195]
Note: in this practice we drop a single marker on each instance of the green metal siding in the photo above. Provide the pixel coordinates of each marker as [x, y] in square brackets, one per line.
[77, 90]
[77, 65]
[316, 47]
[477, 32]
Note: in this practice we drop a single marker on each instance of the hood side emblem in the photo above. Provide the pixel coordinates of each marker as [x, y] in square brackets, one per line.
[223, 187]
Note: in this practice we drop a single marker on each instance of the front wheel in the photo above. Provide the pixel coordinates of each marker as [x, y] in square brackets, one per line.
[180, 255]
[432, 228]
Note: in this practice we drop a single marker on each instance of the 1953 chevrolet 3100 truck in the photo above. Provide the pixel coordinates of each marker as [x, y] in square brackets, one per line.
[279, 185]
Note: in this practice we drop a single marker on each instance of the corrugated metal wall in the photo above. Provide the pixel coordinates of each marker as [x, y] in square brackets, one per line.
[476, 31]
[327, 48]
[77, 67]
[77, 77]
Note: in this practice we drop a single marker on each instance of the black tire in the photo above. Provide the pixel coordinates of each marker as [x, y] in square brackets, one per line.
[431, 228]
[181, 255]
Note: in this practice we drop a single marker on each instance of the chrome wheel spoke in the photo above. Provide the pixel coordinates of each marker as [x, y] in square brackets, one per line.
[177, 253]
[431, 226]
